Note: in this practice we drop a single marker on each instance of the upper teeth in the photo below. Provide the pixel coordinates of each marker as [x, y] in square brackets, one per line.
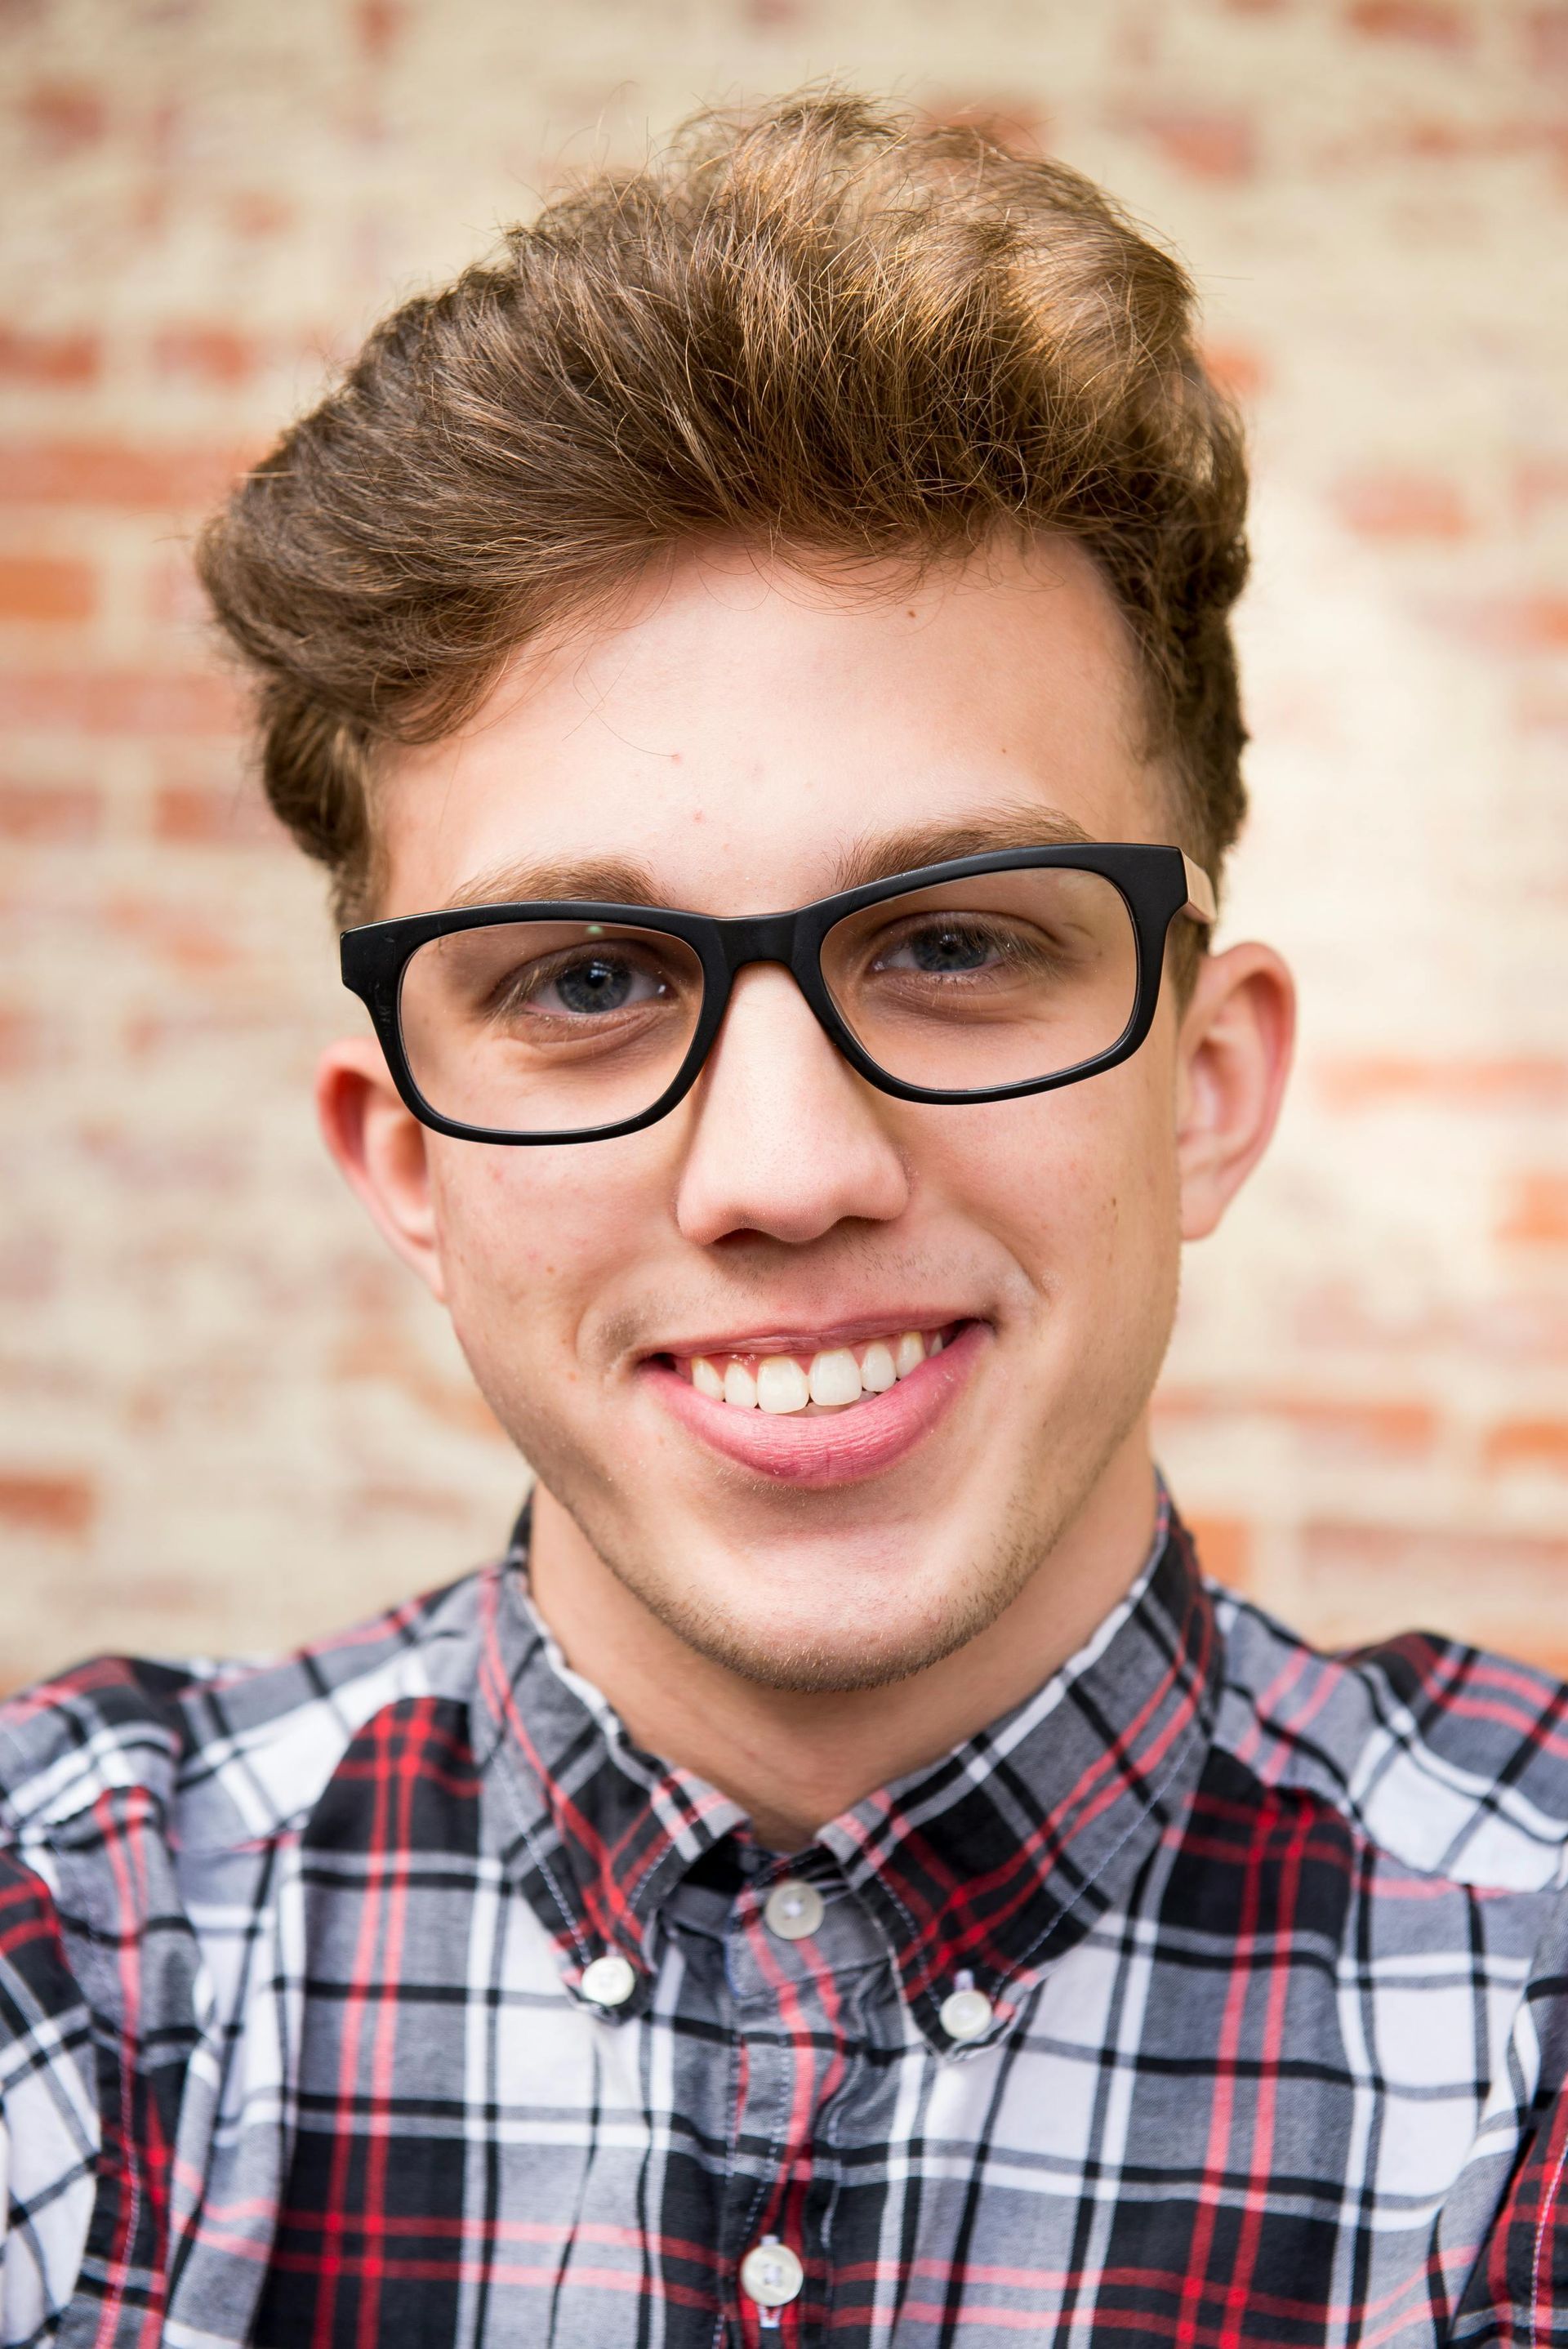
[838, 1375]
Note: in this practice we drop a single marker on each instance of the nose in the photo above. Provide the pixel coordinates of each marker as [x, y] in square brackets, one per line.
[785, 1138]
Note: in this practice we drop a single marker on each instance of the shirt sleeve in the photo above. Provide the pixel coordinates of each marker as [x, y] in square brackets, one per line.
[49, 2131]
[1518, 2290]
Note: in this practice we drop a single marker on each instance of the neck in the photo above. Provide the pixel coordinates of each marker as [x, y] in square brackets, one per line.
[792, 1760]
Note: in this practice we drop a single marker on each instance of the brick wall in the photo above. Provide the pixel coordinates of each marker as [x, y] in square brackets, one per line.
[225, 1419]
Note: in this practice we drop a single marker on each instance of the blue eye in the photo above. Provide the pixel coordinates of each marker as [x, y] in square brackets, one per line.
[948, 946]
[594, 984]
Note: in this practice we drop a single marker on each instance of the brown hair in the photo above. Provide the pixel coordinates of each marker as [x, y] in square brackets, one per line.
[819, 325]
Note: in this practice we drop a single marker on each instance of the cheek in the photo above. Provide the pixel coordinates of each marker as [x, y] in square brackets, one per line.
[527, 1238]
[1078, 1186]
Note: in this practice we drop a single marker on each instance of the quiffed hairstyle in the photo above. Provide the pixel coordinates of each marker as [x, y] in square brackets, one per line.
[820, 326]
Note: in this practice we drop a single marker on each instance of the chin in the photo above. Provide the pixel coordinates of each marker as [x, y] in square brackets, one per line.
[833, 1629]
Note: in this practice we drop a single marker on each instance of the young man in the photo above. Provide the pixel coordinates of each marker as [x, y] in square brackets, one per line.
[843, 1877]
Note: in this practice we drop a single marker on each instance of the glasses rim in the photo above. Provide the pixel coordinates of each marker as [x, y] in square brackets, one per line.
[1158, 883]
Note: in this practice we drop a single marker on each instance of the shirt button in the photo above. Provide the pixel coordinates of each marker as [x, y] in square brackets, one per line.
[770, 2274]
[793, 1909]
[609, 1980]
[965, 2014]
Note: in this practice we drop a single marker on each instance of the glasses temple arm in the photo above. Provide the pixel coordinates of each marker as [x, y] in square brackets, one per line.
[1200, 903]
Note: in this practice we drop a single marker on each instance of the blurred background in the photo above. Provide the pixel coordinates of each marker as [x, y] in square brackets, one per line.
[227, 1419]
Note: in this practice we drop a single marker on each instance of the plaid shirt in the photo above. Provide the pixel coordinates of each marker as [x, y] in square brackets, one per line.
[1265, 2023]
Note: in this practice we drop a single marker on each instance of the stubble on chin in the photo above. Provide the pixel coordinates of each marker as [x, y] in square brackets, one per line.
[859, 1642]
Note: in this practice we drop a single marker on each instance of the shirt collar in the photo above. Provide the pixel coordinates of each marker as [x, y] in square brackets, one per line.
[988, 1863]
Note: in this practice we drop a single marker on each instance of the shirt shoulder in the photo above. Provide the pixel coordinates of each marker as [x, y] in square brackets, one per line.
[221, 1753]
[1452, 1761]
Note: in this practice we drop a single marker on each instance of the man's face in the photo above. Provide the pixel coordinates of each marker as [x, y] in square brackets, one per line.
[728, 744]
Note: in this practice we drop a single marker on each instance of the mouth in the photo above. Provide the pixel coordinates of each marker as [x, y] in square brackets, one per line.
[821, 1411]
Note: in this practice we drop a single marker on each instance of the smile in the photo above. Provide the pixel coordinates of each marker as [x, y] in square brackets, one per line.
[815, 1414]
[834, 1377]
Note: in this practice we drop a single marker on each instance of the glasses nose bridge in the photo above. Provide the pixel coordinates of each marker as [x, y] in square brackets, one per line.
[762, 937]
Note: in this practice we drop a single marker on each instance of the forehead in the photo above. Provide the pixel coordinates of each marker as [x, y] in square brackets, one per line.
[741, 733]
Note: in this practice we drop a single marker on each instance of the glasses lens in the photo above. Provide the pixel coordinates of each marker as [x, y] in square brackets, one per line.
[548, 1027]
[997, 980]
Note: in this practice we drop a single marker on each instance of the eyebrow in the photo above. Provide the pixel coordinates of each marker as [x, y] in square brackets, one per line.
[939, 843]
[619, 881]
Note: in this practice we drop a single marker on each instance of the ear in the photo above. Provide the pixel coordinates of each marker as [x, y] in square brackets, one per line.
[1233, 1056]
[382, 1150]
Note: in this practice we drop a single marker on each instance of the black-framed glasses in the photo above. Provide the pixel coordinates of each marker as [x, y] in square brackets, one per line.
[976, 979]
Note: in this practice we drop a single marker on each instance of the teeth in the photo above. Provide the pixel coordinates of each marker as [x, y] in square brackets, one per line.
[781, 1385]
[834, 1378]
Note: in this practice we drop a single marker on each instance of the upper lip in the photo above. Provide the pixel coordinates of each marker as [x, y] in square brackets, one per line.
[818, 1336]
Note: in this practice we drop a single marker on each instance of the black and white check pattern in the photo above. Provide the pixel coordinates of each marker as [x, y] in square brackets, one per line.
[294, 2047]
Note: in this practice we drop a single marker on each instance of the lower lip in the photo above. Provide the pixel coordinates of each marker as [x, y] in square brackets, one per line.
[816, 1451]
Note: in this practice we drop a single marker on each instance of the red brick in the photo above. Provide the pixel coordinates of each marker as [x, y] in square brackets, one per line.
[46, 587]
[203, 815]
[1536, 1080]
[117, 474]
[377, 26]
[29, 1267]
[1539, 484]
[1538, 1215]
[1515, 1325]
[183, 942]
[1502, 1589]
[48, 1504]
[1527, 1444]
[1203, 144]
[176, 1033]
[1546, 34]
[1403, 1425]
[258, 213]
[1014, 122]
[1390, 505]
[1435, 23]
[403, 1502]
[208, 355]
[55, 813]
[108, 701]
[1510, 624]
[378, 1348]
[1333, 1542]
[1224, 1550]
[1237, 367]
[56, 360]
[21, 1040]
[65, 115]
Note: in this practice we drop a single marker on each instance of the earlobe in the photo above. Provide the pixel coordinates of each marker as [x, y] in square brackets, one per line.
[1233, 1057]
[381, 1149]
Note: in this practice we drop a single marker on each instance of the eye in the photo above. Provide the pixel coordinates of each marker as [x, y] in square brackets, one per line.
[589, 984]
[952, 946]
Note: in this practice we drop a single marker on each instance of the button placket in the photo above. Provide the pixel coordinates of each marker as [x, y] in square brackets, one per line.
[771, 2276]
[789, 1938]
[794, 1910]
[965, 2014]
[608, 1981]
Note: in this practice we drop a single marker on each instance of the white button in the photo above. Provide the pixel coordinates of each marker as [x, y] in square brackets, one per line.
[770, 2274]
[609, 1980]
[793, 1909]
[965, 2014]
